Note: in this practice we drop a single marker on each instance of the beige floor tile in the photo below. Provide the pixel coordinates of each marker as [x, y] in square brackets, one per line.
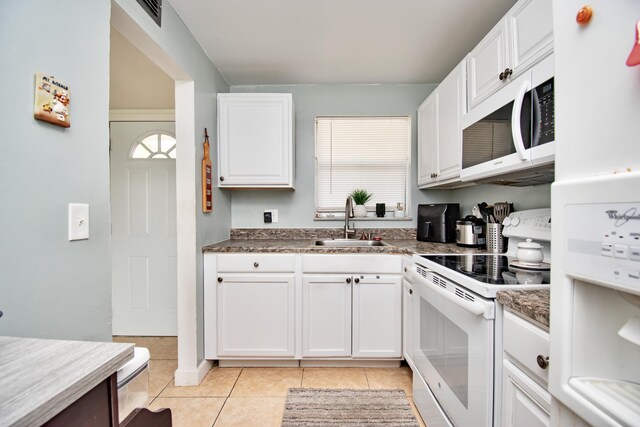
[334, 378]
[251, 412]
[164, 348]
[391, 378]
[138, 341]
[416, 413]
[255, 382]
[217, 383]
[190, 412]
[161, 373]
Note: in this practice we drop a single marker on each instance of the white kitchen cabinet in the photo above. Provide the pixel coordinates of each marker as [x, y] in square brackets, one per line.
[377, 316]
[255, 315]
[326, 315]
[525, 399]
[520, 39]
[256, 140]
[439, 131]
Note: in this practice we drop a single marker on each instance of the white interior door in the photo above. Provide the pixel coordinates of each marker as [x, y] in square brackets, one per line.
[143, 228]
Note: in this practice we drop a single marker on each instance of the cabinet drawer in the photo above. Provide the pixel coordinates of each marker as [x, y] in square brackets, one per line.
[352, 264]
[263, 263]
[524, 342]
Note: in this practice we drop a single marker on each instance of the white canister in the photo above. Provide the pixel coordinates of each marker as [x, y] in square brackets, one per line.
[530, 252]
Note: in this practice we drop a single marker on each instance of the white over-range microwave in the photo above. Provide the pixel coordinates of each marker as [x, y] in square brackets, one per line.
[512, 132]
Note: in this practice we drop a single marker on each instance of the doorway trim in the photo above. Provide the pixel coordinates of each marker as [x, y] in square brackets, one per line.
[189, 372]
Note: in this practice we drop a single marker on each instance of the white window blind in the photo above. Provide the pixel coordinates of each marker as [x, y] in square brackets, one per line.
[370, 153]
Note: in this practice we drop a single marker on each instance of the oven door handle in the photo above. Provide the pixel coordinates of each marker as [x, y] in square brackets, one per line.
[479, 307]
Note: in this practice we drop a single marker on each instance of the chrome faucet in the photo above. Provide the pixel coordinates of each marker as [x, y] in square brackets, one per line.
[348, 213]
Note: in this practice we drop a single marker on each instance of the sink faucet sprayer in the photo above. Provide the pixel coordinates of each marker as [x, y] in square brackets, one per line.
[348, 213]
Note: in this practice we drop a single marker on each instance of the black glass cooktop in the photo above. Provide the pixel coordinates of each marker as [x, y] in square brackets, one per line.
[490, 269]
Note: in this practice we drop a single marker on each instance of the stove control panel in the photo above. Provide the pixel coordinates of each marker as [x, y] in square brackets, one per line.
[531, 224]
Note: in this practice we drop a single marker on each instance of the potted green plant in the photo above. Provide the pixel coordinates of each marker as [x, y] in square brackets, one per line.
[360, 197]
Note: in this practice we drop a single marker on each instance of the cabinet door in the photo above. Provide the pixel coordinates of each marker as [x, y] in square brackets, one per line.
[255, 140]
[451, 106]
[524, 403]
[486, 62]
[407, 321]
[326, 315]
[427, 140]
[256, 315]
[377, 316]
[531, 29]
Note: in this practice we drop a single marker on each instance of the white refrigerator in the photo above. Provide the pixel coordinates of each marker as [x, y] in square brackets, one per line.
[595, 292]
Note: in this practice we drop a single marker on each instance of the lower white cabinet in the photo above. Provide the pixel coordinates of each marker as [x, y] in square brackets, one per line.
[326, 315]
[377, 316]
[524, 402]
[525, 399]
[352, 315]
[255, 315]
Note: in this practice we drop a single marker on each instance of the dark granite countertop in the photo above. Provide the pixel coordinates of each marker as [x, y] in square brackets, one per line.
[532, 305]
[396, 246]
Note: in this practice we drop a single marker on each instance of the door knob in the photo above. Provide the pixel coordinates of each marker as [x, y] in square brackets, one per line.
[356, 280]
[256, 265]
[410, 291]
[219, 279]
[222, 178]
[349, 280]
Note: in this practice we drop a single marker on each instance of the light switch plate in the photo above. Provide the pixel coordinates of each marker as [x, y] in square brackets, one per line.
[78, 221]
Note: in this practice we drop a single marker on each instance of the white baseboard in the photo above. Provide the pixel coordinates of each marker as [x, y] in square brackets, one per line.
[189, 377]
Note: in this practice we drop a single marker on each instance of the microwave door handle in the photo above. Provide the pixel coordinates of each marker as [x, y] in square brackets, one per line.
[477, 307]
[516, 128]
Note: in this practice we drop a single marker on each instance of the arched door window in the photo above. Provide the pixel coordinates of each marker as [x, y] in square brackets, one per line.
[158, 145]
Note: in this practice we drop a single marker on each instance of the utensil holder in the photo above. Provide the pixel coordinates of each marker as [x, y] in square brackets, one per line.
[495, 240]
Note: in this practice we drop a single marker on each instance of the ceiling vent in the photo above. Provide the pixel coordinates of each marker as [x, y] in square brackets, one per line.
[153, 8]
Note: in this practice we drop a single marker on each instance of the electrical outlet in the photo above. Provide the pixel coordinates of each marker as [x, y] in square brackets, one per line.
[267, 217]
[273, 215]
[78, 221]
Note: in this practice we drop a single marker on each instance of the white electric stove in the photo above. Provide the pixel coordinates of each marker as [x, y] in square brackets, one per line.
[455, 319]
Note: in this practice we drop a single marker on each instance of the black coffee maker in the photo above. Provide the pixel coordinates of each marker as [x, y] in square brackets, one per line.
[437, 222]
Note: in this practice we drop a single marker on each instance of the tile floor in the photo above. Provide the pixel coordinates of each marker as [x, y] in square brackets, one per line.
[248, 396]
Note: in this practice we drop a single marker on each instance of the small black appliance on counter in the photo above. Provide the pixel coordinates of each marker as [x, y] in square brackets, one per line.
[437, 222]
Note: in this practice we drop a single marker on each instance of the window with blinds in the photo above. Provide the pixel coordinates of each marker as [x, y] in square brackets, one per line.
[370, 153]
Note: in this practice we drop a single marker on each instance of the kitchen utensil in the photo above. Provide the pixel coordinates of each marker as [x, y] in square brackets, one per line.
[529, 252]
[501, 210]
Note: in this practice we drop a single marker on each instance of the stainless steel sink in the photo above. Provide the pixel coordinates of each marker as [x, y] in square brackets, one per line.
[350, 243]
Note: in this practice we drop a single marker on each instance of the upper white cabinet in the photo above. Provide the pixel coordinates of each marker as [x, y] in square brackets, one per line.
[439, 131]
[256, 140]
[521, 38]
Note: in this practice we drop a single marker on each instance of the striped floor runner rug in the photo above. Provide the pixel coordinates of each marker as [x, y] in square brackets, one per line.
[309, 407]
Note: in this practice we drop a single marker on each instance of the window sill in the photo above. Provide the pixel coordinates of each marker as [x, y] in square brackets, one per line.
[368, 218]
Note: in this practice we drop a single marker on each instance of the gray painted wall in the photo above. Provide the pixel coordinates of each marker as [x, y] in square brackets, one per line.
[296, 208]
[184, 53]
[50, 287]
[533, 197]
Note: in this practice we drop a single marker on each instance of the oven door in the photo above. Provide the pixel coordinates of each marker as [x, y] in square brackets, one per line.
[453, 345]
